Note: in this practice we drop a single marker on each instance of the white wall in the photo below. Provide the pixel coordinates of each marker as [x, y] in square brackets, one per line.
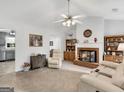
[114, 27]
[96, 24]
[23, 51]
[70, 30]
[56, 42]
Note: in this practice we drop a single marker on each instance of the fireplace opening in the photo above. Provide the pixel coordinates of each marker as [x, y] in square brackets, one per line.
[87, 56]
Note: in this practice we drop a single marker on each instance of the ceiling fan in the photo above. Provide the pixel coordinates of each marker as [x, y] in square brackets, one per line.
[69, 20]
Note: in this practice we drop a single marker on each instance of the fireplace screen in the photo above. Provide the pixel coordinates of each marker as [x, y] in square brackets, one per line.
[87, 56]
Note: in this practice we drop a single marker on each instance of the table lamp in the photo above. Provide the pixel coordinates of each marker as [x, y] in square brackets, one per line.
[121, 48]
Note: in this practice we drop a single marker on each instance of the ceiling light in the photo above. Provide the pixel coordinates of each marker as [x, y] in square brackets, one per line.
[69, 20]
[68, 25]
[64, 23]
[73, 23]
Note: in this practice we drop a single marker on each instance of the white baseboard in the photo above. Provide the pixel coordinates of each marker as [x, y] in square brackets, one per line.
[18, 69]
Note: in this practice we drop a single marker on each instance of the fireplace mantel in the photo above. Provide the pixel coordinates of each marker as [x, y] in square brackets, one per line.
[92, 45]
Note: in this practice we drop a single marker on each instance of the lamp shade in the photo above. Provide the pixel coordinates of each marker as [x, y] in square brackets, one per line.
[121, 47]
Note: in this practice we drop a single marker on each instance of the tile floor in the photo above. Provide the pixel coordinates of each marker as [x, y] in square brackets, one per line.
[7, 67]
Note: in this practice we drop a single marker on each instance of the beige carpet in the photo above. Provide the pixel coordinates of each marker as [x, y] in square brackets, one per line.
[42, 80]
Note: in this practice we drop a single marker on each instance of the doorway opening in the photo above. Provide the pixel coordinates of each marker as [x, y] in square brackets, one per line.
[7, 51]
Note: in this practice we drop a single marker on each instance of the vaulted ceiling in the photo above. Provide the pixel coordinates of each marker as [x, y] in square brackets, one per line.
[42, 12]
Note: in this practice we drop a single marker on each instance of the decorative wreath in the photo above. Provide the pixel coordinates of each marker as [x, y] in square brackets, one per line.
[87, 33]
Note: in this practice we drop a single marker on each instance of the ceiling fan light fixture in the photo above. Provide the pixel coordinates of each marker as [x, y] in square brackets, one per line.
[64, 23]
[69, 20]
[69, 24]
[73, 23]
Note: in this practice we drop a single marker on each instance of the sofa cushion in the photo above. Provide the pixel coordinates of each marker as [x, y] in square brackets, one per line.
[100, 84]
[100, 76]
[54, 62]
[106, 71]
[110, 64]
[118, 77]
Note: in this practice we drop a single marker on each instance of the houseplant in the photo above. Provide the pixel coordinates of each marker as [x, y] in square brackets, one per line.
[26, 66]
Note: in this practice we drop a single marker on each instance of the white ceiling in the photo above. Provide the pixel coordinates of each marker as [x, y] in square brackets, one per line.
[102, 8]
[42, 12]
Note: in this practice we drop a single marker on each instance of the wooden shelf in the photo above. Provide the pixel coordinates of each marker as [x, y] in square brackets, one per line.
[113, 58]
[69, 54]
[70, 44]
[110, 45]
[113, 51]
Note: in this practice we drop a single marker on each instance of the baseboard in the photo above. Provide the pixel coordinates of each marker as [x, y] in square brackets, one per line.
[18, 69]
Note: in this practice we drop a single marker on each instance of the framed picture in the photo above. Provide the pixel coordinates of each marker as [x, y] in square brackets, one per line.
[35, 40]
[51, 43]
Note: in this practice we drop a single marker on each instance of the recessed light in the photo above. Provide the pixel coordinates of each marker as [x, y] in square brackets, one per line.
[115, 9]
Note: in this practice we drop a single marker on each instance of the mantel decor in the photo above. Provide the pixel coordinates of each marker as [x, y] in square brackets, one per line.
[35, 40]
[87, 33]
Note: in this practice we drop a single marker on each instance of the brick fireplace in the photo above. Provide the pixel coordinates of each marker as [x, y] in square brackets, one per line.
[88, 57]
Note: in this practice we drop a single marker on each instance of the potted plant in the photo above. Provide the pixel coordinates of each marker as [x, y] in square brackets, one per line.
[26, 66]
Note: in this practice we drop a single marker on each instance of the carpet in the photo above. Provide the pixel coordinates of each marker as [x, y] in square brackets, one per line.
[42, 80]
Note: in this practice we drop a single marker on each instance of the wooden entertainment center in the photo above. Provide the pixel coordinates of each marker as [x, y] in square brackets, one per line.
[111, 44]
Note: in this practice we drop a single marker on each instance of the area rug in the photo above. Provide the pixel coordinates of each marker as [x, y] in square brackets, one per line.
[42, 80]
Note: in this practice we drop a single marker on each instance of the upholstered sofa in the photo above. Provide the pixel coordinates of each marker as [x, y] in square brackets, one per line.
[55, 61]
[111, 81]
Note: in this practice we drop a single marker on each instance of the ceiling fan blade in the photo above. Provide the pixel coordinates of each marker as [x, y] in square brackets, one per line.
[59, 21]
[77, 21]
[78, 16]
[64, 16]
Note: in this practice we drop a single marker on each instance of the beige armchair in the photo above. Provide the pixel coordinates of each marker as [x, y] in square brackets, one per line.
[96, 81]
[55, 61]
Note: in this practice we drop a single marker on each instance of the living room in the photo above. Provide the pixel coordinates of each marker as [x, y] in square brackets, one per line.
[38, 31]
